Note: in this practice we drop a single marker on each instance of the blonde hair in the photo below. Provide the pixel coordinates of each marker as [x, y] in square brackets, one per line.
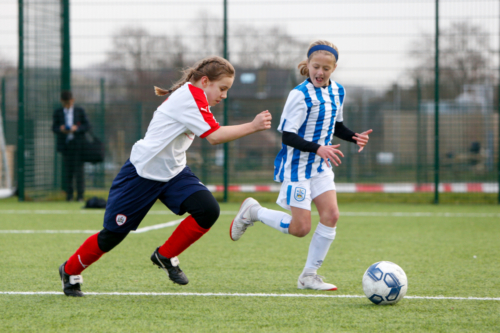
[212, 67]
[304, 71]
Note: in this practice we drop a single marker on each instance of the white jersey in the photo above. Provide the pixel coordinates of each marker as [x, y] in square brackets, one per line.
[161, 155]
[311, 113]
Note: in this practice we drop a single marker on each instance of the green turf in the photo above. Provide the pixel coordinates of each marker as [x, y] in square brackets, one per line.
[442, 256]
[471, 198]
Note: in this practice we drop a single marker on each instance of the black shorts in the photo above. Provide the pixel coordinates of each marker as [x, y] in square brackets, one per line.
[131, 196]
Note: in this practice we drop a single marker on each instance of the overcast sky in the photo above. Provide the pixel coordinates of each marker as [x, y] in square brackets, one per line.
[373, 36]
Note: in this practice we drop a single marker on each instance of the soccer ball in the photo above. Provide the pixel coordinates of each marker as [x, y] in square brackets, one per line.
[385, 282]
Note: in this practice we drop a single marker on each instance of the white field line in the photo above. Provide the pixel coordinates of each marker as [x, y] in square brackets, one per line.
[173, 223]
[138, 231]
[49, 231]
[160, 212]
[242, 295]
[157, 226]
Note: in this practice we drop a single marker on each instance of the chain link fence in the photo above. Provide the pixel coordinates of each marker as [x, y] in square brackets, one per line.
[121, 49]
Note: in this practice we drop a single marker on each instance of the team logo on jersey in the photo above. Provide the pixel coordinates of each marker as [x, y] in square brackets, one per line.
[121, 219]
[337, 101]
[300, 193]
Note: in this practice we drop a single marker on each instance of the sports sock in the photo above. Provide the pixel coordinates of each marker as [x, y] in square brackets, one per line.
[320, 243]
[88, 253]
[183, 236]
[275, 219]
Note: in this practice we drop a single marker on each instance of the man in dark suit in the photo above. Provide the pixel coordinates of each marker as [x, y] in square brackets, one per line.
[70, 124]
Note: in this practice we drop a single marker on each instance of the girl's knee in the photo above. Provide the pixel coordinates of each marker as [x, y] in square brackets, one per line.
[203, 208]
[330, 219]
[335, 216]
[302, 230]
[212, 212]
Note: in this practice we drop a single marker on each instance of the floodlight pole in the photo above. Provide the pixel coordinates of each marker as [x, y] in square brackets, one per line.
[226, 104]
[436, 109]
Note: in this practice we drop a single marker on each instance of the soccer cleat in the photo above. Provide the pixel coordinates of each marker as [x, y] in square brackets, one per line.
[170, 266]
[70, 283]
[314, 281]
[244, 218]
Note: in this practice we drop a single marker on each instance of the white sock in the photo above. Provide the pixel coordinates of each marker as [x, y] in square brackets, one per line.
[275, 219]
[320, 243]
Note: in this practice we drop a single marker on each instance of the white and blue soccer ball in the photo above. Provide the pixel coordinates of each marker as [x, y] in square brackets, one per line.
[385, 282]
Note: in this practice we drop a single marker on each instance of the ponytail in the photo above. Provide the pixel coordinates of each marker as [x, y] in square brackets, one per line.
[161, 92]
[213, 67]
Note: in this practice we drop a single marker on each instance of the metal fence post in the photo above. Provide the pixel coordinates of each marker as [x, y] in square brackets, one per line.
[139, 120]
[436, 109]
[420, 155]
[498, 121]
[66, 50]
[102, 130]
[20, 106]
[226, 104]
[3, 106]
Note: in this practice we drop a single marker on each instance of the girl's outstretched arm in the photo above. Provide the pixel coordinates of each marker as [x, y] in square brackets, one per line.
[229, 133]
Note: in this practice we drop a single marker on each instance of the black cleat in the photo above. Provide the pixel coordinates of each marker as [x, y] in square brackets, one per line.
[70, 283]
[170, 266]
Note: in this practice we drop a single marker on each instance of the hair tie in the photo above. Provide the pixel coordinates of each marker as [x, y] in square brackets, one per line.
[323, 48]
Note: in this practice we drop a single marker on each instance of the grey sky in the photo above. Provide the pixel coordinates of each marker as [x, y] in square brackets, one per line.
[373, 36]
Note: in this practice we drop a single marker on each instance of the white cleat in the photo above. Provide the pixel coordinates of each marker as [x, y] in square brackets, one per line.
[314, 281]
[243, 219]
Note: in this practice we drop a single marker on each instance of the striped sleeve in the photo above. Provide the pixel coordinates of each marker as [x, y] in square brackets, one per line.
[294, 112]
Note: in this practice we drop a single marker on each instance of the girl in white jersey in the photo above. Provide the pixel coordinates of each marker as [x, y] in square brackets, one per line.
[157, 170]
[312, 114]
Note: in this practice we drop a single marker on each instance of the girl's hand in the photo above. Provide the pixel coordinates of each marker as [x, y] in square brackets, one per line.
[330, 153]
[262, 121]
[362, 139]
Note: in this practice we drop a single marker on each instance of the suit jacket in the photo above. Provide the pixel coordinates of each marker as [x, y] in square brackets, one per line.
[80, 120]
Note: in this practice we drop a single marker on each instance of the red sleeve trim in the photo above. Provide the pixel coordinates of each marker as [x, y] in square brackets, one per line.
[202, 103]
[210, 131]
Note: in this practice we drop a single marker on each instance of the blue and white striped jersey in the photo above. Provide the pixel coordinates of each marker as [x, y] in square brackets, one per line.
[311, 113]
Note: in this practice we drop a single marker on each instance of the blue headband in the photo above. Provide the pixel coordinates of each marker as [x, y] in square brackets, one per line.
[323, 48]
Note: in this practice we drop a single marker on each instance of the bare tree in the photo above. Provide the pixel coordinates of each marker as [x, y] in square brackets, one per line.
[249, 46]
[270, 47]
[209, 30]
[139, 59]
[465, 58]
[136, 49]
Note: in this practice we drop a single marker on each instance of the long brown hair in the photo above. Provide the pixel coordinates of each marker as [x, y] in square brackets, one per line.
[304, 71]
[212, 67]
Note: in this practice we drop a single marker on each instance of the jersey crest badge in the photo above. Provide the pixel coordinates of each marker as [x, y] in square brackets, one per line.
[300, 193]
[121, 219]
[337, 101]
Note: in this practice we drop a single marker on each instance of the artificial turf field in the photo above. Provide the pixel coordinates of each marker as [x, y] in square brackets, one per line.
[449, 253]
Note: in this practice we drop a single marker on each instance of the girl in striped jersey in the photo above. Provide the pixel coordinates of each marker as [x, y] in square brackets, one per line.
[312, 114]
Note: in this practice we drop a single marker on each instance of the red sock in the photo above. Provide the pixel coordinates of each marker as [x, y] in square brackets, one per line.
[87, 254]
[183, 236]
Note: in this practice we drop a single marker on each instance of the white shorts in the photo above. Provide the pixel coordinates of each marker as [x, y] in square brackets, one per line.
[300, 194]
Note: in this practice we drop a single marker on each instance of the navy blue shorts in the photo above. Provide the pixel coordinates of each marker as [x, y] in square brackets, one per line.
[131, 196]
